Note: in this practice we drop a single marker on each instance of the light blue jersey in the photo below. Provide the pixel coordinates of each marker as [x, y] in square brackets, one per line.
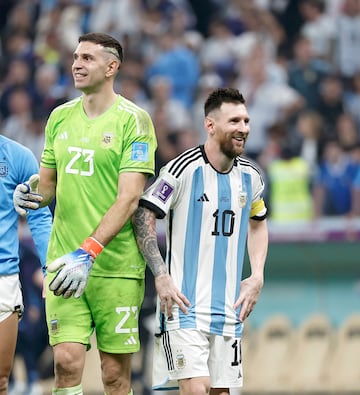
[207, 222]
[17, 164]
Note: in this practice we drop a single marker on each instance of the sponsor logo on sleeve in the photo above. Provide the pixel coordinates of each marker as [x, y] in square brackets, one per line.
[163, 191]
[140, 152]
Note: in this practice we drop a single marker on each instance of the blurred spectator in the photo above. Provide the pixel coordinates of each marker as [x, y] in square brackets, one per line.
[347, 54]
[160, 91]
[171, 120]
[106, 14]
[217, 51]
[333, 182]
[207, 83]
[308, 137]
[17, 124]
[180, 17]
[49, 92]
[47, 44]
[318, 27]
[18, 46]
[178, 63]
[19, 75]
[5, 9]
[306, 71]
[267, 101]
[277, 135]
[257, 20]
[331, 104]
[20, 21]
[288, 14]
[166, 149]
[352, 99]
[204, 11]
[346, 132]
[290, 196]
[132, 88]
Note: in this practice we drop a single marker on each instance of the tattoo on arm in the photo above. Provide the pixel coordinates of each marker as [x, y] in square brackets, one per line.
[144, 222]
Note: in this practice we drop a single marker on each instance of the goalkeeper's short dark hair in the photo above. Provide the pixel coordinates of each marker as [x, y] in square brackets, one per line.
[106, 41]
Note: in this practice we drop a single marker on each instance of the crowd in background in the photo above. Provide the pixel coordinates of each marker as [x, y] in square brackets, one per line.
[296, 62]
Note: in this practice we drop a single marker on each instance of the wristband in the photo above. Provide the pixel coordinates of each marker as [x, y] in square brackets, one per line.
[92, 246]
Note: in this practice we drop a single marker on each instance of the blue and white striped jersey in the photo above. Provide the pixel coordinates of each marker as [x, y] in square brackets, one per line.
[207, 215]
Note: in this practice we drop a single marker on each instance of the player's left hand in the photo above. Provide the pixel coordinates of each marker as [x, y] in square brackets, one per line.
[249, 294]
[74, 271]
[75, 268]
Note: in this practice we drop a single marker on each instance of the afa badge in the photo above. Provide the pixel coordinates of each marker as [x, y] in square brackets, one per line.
[3, 169]
[107, 140]
[242, 198]
[180, 361]
[140, 152]
[54, 326]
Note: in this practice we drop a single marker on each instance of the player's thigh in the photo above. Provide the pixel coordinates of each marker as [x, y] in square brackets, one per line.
[11, 299]
[68, 320]
[8, 335]
[115, 305]
[225, 362]
[11, 307]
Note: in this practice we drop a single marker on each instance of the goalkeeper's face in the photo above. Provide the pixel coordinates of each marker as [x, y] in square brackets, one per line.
[231, 128]
[91, 67]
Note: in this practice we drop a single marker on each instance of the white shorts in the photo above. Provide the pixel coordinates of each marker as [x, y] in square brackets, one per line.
[10, 296]
[188, 353]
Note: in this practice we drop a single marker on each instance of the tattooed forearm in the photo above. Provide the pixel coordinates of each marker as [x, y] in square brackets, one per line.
[144, 222]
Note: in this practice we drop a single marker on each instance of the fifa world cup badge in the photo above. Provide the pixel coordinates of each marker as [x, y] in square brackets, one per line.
[242, 199]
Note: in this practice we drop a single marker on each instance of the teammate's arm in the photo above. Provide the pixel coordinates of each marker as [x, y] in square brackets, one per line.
[257, 249]
[144, 221]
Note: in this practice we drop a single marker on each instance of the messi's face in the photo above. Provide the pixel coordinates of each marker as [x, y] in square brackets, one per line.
[230, 128]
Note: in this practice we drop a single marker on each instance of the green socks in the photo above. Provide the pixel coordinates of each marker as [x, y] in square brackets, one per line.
[68, 391]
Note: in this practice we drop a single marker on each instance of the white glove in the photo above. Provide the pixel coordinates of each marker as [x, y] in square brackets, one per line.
[75, 268]
[26, 196]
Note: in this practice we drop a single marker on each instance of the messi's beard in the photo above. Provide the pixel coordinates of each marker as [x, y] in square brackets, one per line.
[228, 149]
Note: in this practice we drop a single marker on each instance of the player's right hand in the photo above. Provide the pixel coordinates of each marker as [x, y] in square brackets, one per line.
[26, 196]
[169, 294]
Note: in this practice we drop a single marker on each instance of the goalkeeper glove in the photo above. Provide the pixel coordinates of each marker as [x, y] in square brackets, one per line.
[75, 268]
[26, 196]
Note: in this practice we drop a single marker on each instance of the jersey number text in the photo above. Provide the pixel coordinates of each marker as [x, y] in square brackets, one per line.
[80, 155]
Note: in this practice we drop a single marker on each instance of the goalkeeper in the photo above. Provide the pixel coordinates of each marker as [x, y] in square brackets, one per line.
[98, 155]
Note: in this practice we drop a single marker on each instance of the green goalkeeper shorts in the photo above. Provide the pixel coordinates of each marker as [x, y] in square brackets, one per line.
[111, 306]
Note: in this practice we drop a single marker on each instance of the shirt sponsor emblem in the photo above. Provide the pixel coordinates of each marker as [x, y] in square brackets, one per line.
[203, 198]
[163, 191]
[3, 169]
[140, 152]
[63, 135]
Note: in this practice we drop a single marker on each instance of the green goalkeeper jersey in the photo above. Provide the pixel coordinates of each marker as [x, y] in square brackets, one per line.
[88, 155]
